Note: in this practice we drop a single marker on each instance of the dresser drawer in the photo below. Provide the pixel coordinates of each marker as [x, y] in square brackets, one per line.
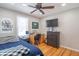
[53, 39]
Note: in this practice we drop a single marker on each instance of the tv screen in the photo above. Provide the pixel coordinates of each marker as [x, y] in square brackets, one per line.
[52, 23]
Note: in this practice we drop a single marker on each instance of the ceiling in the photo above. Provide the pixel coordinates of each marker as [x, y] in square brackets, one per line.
[23, 7]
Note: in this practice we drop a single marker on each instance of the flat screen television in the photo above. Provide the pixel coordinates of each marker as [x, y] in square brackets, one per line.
[52, 23]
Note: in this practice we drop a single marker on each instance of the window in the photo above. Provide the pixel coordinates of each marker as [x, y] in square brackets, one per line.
[22, 25]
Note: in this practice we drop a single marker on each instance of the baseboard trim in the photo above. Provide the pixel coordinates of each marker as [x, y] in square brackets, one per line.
[70, 48]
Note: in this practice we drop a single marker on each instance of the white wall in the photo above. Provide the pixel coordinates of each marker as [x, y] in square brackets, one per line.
[32, 19]
[13, 15]
[68, 27]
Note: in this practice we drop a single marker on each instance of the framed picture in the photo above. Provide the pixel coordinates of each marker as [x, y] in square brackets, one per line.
[6, 25]
[35, 25]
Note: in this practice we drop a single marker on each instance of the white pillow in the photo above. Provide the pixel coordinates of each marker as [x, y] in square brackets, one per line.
[11, 39]
[24, 36]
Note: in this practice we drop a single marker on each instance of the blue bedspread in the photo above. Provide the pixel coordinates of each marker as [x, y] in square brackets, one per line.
[33, 50]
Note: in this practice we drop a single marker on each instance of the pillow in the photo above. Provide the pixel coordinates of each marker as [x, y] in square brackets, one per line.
[15, 39]
[24, 36]
[9, 39]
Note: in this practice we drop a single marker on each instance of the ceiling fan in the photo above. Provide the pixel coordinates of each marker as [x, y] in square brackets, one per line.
[39, 7]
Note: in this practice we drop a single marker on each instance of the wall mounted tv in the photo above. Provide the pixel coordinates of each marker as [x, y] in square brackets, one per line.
[52, 23]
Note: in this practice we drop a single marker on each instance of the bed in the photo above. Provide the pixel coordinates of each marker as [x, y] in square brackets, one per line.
[31, 50]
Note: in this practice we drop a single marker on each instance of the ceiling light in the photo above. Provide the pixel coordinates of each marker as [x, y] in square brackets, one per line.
[63, 4]
[24, 5]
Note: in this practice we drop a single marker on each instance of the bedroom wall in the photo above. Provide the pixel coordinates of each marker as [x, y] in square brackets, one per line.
[68, 27]
[32, 19]
[13, 15]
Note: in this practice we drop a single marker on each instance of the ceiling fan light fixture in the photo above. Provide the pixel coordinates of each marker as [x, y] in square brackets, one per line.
[63, 4]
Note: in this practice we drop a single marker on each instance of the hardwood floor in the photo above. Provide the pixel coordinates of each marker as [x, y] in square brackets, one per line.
[51, 51]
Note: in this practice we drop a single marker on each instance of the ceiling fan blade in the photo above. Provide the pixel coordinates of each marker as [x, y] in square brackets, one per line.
[31, 6]
[47, 7]
[33, 11]
[41, 11]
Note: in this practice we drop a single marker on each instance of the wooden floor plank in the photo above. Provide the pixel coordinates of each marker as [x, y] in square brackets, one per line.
[52, 51]
[42, 46]
[67, 52]
[59, 50]
[62, 51]
[47, 51]
[73, 53]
